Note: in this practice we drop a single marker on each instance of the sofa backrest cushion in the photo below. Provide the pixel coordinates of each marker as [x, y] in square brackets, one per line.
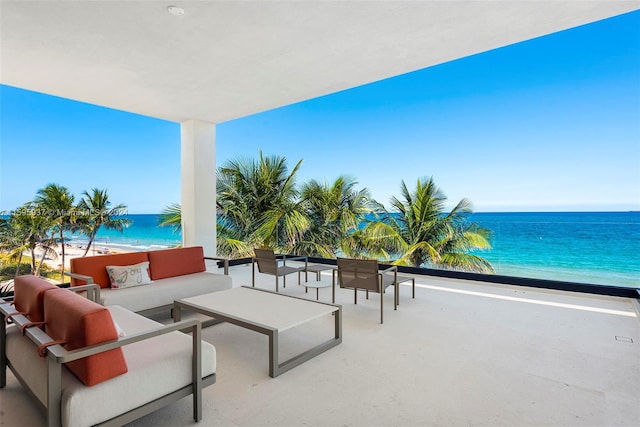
[176, 262]
[96, 266]
[80, 322]
[28, 294]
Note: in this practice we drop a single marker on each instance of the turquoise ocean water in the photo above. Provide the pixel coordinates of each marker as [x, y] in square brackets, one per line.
[586, 247]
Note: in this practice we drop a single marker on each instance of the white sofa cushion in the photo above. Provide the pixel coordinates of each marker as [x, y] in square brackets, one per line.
[165, 291]
[21, 353]
[157, 366]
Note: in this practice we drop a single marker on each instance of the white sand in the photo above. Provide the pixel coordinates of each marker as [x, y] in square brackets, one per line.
[74, 251]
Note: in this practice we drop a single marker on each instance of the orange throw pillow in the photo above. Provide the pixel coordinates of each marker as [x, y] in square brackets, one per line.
[81, 323]
[28, 294]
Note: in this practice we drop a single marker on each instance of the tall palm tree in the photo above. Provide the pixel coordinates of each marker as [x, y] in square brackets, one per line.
[257, 205]
[36, 233]
[335, 211]
[56, 203]
[95, 211]
[421, 233]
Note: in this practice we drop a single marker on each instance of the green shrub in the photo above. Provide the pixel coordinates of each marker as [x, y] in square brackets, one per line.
[8, 270]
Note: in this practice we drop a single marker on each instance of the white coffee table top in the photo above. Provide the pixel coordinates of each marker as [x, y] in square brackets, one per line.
[265, 308]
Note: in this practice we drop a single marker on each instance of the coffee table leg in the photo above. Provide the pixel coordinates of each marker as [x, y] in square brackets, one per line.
[177, 315]
[275, 369]
[273, 353]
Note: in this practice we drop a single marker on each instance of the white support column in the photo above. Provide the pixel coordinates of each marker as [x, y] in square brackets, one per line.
[198, 163]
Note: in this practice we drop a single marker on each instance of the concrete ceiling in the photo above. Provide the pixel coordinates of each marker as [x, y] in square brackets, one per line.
[223, 60]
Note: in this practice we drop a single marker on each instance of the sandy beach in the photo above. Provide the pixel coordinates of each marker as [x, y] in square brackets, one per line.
[70, 251]
[75, 251]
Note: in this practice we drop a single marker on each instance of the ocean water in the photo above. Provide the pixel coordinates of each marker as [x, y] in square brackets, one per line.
[143, 234]
[585, 247]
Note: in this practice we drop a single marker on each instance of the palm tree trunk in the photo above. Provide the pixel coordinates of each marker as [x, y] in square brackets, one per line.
[37, 273]
[91, 238]
[33, 259]
[18, 267]
[62, 246]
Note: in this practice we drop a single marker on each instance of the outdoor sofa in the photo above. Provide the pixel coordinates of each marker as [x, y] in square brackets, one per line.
[86, 364]
[171, 274]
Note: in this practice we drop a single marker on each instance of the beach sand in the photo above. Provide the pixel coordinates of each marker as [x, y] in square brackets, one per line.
[70, 251]
[75, 251]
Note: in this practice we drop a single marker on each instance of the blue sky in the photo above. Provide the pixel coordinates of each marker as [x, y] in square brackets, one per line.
[551, 124]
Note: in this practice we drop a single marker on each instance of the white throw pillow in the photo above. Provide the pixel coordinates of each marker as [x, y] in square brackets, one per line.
[127, 276]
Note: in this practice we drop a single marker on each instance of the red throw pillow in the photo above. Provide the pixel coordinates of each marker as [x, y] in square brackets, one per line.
[81, 323]
[176, 262]
[28, 294]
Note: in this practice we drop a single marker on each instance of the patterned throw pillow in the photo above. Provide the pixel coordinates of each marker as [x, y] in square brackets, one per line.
[127, 276]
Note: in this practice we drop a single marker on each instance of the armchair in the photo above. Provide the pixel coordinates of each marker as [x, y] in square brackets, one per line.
[364, 274]
[268, 263]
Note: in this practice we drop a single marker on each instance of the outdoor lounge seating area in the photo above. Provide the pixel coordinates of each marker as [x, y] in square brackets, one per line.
[86, 364]
[461, 353]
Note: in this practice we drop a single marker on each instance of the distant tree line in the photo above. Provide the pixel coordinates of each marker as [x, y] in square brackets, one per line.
[259, 205]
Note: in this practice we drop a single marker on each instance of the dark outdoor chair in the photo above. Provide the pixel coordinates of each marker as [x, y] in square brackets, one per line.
[269, 263]
[364, 274]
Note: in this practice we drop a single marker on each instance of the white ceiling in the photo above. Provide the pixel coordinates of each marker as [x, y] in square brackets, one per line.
[227, 59]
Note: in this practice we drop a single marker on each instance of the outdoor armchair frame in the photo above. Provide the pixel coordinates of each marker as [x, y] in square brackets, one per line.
[364, 274]
[268, 263]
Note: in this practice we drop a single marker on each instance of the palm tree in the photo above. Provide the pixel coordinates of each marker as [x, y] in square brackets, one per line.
[422, 233]
[171, 216]
[36, 233]
[228, 242]
[56, 203]
[257, 205]
[335, 211]
[94, 211]
[13, 240]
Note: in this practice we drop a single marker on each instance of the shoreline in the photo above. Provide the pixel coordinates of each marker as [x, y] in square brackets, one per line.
[75, 251]
[121, 243]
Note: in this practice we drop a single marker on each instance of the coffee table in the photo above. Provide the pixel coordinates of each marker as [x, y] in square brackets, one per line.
[268, 313]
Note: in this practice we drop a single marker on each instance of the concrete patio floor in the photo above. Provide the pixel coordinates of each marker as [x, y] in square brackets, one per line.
[460, 353]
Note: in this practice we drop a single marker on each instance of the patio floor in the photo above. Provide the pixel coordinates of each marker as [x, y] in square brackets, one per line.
[460, 353]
